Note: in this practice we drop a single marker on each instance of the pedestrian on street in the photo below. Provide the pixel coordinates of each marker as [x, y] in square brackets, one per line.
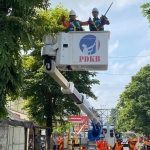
[134, 141]
[54, 142]
[38, 141]
[147, 142]
[140, 145]
[118, 145]
[101, 144]
[58, 142]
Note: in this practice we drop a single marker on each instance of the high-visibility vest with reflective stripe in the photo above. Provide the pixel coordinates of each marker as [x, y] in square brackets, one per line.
[74, 25]
[101, 145]
[61, 144]
[94, 24]
[73, 143]
[118, 146]
[58, 141]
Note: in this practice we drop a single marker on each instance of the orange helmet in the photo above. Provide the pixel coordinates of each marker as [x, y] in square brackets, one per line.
[134, 140]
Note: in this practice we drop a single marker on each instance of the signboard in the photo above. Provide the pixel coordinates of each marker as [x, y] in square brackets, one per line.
[87, 49]
[77, 118]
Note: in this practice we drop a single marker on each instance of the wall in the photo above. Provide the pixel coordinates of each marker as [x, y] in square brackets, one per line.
[3, 136]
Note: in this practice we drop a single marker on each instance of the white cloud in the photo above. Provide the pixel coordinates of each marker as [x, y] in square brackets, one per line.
[83, 8]
[113, 46]
[116, 67]
[124, 3]
[139, 62]
[117, 4]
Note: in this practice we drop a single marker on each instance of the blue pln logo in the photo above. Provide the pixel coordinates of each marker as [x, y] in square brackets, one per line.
[89, 44]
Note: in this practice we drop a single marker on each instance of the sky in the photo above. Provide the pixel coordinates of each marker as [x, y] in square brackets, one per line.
[129, 45]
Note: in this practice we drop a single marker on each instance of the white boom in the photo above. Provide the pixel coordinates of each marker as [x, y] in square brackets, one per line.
[69, 89]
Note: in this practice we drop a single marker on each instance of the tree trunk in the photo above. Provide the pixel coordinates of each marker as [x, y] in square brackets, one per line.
[50, 112]
[48, 139]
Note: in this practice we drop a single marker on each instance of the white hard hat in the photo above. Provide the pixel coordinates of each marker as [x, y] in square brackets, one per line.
[95, 10]
[72, 13]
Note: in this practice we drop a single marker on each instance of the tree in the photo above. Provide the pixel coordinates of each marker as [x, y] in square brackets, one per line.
[15, 19]
[134, 104]
[113, 117]
[146, 10]
[45, 102]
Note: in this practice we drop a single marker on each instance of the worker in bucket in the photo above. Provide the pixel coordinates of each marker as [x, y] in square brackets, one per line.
[97, 24]
[73, 24]
[101, 144]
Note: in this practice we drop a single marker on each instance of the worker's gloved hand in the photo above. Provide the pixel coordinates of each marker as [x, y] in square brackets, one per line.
[89, 20]
[104, 20]
[107, 22]
[63, 18]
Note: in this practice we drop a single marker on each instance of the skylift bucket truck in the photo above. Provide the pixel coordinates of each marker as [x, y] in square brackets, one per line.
[77, 51]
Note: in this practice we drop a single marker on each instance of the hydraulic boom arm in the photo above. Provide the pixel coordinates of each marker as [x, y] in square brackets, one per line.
[69, 89]
[51, 52]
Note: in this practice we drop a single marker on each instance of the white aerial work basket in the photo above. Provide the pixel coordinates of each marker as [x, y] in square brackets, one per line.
[82, 50]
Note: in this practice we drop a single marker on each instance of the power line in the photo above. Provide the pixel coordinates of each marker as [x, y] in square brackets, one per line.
[129, 56]
[118, 74]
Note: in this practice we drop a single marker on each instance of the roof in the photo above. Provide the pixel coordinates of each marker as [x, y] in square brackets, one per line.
[14, 120]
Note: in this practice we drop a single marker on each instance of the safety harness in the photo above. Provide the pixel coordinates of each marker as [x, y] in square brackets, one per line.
[93, 22]
[75, 28]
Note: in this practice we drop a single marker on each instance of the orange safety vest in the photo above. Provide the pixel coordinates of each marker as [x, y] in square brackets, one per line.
[131, 144]
[101, 145]
[147, 142]
[61, 144]
[118, 146]
[58, 141]
[148, 145]
[73, 143]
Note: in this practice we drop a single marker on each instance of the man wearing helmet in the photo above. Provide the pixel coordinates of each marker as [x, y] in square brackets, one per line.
[118, 145]
[97, 24]
[101, 144]
[73, 24]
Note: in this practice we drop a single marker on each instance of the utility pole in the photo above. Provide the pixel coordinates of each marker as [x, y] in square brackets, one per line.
[104, 113]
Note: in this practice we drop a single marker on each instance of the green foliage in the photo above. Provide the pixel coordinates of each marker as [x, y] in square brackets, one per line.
[113, 117]
[64, 128]
[146, 10]
[134, 103]
[15, 18]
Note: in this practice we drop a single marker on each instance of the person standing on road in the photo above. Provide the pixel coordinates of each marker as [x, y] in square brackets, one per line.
[131, 144]
[147, 142]
[38, 141]
[101, 144]
[134, 141]
[58, 142]
[140, 145]
[54, 142]
[118, 145]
